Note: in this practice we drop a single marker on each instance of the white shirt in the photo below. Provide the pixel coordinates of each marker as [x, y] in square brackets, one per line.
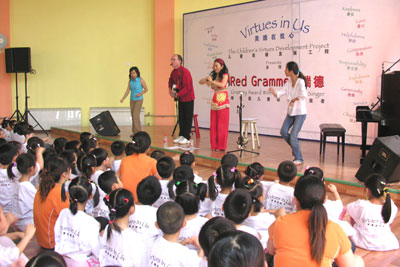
[191, 229]
[249, 230]
[122, 249]
[115, 165]
[216, 205]
[299, 90]
[143, 220]
[101, 210]
[8, 251]
[334, 208]
[26, 192]
[8, 195]
[164, 197]
[166, 253]
[372, 233]
[77, 236]
[261, 222]
[95, 176]
[280, 196]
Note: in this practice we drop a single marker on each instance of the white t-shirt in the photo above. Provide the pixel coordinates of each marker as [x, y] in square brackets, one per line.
[8, 195]
[115, 165]
[143, 223]
[216, 205]
[299, 90]
[261, 222]
[164, 197]
[9, 252]
[122, 249]
[249, 230]
[166, 253]
[279, 196]
[205, 205]
[95, 176]
[25, 194]
[197, 179]
[102, 209]
[77, 236]
[191, 229]
[372, 233]
[334, 208]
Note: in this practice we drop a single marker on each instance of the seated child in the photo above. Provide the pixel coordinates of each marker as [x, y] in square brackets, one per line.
[210, 232]
[76, 233]
[108, 182]
[230, 159]
[47, 258]
[188, 195]
[225, 176]
[165, 168]
[259, 221]
[120, 245]
[157, 154]
[166, 249]
[237, 207]
[118, 149]
[187, 158]
[280, 195]
[371, 218]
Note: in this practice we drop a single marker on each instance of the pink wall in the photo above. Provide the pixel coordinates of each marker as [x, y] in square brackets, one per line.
[5, 78]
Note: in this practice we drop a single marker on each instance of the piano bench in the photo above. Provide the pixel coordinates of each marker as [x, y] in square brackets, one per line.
[331, 129]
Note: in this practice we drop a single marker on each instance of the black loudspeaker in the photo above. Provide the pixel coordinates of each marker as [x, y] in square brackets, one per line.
[382, 158]
[18, 59]
[104, 124]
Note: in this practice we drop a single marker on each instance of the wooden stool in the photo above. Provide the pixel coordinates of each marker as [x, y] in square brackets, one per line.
[330, 129]
[252, 122]
[196, 126]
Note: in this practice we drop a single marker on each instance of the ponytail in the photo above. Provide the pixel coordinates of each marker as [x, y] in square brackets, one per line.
[52, 173]
[212, 188]
[376, 184]
[10, 173]
[189, 194]
[182, 173]
[87, 163]
[301, 76]
[255, 189]
[46, 184]
[119, 203]
[317, 228]
[292, 66]
[79, 190]
[226, 177]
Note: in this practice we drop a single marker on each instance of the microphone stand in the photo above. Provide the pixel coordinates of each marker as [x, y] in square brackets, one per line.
[241, 142]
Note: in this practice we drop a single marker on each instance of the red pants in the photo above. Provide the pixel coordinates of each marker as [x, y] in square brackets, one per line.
[219, 125]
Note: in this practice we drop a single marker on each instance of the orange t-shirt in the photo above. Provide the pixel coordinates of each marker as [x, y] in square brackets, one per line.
[290, 237]
[45, 214]
[134, 168]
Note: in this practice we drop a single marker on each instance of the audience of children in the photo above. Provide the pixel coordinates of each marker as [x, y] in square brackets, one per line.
[176, 233]
[187, 158]
[373, 216]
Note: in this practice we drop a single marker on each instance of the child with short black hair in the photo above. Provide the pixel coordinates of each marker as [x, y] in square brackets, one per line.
[371, 218]
[167, 249]
[225, 176]
[118, 149]
[230, 159]
[59, 144]
[188, 195]
[108, 182]
[157, 154]
[87, 145]
[165, 168]
[280, 195]
[76, 233]
[237, 208]
[47, 258]
[187, 158]
[120, 245]
[85, 136]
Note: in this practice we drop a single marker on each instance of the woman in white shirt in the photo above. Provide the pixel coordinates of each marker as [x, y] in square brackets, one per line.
[76, 233]
[295, 89]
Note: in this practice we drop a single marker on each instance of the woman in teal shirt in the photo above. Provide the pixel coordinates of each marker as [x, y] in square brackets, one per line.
[137, 87]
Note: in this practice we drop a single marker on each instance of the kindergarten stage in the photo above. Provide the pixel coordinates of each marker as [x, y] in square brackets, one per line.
[273, 151]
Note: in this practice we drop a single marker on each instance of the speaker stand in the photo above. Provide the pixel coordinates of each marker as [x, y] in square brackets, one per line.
[27, 112]
[177, 120]
[17, 113]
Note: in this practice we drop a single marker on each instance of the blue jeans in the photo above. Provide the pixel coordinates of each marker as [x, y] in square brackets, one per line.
[294, 122]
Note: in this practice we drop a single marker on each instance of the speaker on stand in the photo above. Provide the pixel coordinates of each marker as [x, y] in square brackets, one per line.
[383, 158]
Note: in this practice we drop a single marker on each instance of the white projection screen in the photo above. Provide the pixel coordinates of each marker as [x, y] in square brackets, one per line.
[340, 45]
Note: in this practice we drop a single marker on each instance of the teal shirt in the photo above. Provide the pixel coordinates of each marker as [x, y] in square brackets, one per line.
[136, 88]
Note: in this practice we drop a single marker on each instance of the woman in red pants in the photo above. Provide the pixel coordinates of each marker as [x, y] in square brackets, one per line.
[219, 121]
